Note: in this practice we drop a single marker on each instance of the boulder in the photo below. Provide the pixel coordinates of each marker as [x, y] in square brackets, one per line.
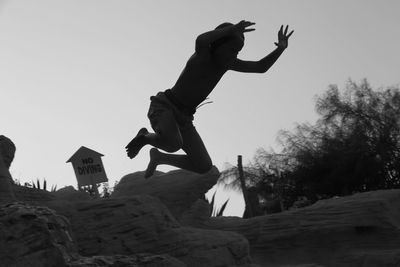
[7, 151]
[142, 224]
[32, 195]
[178, 189]
[199, 212]
[359, 230]
[69, 193]
[34, 236]
[145, 260]
[38, 237]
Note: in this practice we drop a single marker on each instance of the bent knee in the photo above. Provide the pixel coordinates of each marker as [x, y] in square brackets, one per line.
[204, 167]
[173, 145]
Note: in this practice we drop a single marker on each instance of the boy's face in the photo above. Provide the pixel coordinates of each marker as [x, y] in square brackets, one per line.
[226, 53]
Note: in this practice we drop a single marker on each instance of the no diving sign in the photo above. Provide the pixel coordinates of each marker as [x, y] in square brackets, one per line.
[88, 167]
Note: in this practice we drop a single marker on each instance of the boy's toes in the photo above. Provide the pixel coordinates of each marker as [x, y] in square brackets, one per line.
[137, 143]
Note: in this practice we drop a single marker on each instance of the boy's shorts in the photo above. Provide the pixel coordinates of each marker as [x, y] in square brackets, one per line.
[161, 103]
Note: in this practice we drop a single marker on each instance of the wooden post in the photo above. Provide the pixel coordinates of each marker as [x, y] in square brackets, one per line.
[94, 188]
[243, 185]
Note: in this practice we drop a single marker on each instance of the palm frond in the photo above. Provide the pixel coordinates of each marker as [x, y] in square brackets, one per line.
[222, 209]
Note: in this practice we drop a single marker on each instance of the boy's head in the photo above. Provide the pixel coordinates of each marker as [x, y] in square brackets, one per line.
[226, 49]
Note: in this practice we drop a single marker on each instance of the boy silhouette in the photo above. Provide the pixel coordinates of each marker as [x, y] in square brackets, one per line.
[171, 112]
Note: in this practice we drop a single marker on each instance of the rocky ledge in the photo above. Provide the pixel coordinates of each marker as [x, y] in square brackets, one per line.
[362, 230]
[156, 222]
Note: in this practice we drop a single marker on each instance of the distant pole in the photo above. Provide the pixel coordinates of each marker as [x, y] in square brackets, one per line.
[243, 185]
[94, 188]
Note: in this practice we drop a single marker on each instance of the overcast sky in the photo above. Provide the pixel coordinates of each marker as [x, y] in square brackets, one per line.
[80, 73]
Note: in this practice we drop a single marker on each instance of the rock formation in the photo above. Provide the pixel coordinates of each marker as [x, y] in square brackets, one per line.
[34, 236]
[359, 230]
[142, 224]
[165, 222]
[137, 225]
[38, 237]
[7, 151]
[178, 190]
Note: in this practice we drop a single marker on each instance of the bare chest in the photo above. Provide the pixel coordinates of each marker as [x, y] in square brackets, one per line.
[197, 80]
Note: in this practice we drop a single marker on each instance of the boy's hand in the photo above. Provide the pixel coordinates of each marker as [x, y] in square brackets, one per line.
[283, 38]
[243, 26]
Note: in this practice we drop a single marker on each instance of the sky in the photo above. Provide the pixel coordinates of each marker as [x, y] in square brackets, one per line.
[80, 73]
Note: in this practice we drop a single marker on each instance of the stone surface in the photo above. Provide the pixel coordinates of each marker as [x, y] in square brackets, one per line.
[7, 151]
[119, 230]
[32, 195]
[142, 224]
[360, 230]
[199, 212]
[144, 260]
[69, 193]
[34, 236]
[178, 190]
[38, 237]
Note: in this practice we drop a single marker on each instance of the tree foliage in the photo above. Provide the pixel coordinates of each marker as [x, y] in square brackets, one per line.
[353, 147]
[265, 182]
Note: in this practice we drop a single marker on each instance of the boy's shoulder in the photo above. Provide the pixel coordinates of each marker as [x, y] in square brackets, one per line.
[200, 59]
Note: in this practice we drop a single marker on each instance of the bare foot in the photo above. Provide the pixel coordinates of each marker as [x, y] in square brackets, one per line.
[154, 156]
[134, 146]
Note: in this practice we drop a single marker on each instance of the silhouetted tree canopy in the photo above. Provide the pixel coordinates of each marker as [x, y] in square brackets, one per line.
[265, 182]
[353, 147]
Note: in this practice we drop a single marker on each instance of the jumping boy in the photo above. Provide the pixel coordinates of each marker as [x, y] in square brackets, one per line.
[171, 112]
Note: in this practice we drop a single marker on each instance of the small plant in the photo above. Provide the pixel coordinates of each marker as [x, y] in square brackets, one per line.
[44, 187]
[217, 212]
[107, 190]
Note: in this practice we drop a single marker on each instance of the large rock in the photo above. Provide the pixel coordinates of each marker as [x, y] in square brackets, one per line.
[69, 193]
[144, 260]
[360, 230]
[199, 212]
[38, 237]
[34, 236]
[7, 152]
[178, 190]
[142, 224]
[32, 195]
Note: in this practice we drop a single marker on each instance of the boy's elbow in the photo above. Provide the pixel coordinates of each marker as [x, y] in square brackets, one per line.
[259, 70]
[201, 43]
[261, 67]
[201, 40]
[264, 69]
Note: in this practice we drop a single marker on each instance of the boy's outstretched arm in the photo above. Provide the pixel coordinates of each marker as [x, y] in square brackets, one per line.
[204, 40]
[265, 63]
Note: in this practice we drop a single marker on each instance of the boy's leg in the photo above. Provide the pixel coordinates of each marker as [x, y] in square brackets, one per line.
[166, 137]
[196, 158]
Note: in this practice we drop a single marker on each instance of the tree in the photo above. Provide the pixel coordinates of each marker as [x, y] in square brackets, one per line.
[262, 182]
[353, 147]
[234, 178]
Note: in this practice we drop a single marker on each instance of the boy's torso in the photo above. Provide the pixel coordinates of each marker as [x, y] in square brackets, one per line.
[197, 80]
